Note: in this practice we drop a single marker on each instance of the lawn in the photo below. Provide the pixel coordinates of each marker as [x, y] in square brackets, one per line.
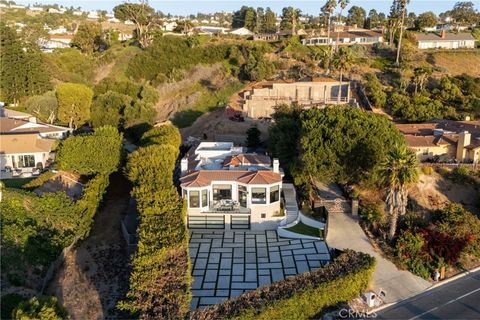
[306, 230]
[16, 183]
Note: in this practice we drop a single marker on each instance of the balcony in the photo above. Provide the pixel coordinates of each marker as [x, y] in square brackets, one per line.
[226, 207]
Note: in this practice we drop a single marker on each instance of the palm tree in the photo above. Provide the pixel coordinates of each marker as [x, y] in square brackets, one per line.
[397, 172]
[343, 4]
[403, 8]
[342, 61]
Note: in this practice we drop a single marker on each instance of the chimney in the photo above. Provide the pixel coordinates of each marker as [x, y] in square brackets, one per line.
[184, 166]
[32, 119]
[442, 34]
[276, 165]
[464, 139]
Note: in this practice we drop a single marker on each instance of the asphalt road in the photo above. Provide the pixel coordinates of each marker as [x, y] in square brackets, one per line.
[457, 300]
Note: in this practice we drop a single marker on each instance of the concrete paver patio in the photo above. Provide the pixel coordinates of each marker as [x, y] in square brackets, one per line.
[227, 263]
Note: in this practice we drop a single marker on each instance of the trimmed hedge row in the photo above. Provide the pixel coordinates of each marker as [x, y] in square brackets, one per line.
[160, 279]
[299, 297]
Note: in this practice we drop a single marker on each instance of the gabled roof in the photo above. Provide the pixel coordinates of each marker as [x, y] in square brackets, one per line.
[205, 178]
[14, 126]
[449, 36]
[430, 141]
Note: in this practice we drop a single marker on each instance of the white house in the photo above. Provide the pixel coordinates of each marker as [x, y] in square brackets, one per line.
[226, 188]
[113, 20]
[241, 32]
[349, 37]
[93, 15]
[445, 40]
[35, 9]
[26, 146]
[169, 26]
[59, 30]
[77, 13]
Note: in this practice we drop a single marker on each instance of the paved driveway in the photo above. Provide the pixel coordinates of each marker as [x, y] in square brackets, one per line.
[227, 263]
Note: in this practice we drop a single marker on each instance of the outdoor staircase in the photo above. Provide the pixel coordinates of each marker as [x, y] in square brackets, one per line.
[291, 207]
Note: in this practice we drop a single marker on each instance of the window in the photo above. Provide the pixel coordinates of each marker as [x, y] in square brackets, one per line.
[242, 196]
[222, 192]
[274, 194]
[26, 161]
[259, 195]
[204, 198]
[263, 215]
[194, 199]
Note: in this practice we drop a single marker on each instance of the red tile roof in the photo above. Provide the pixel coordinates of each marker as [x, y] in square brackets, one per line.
[204, 178]
[246, 159]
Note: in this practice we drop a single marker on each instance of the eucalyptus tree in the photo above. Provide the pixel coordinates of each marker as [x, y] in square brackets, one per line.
[343, 4]
[402, 6]
[327, 11]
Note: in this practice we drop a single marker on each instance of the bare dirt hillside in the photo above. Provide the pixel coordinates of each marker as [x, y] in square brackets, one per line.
[434, 191]
[458, 62]
[94, 276]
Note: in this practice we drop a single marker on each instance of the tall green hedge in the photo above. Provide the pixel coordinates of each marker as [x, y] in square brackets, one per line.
[299, 297]
[160, 278]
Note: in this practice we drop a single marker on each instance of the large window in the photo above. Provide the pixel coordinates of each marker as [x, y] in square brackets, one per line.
[194, 199]
[204, 198]
[259, 195]
[242, 196]
[26, 161]
[274, 194]
[222, 192]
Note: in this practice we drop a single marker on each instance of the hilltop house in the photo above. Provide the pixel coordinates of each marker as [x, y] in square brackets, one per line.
[347, 36]
[241, 32]
[260, 99]
[26, 146]
[445, 40]
[444, 140]
[227, 188]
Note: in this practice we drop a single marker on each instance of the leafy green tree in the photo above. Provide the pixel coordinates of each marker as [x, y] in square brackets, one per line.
[464, 13]
[43, 308]
[356, 15]
[290, 19]
[253, 137]
[89, 154]
[74, 101]
[397, 171]
[142, 15]
[89, 37]
[284, 135]
[426, 20]
[373, 19]
[22, 69]
[257, 67]
[244, 18]
[342, 61]
[45, 106]
[420, 76]
[108, 109]
[345, 144]
[269, 24]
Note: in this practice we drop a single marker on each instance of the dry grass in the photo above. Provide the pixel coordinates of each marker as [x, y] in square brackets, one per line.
[458, 62]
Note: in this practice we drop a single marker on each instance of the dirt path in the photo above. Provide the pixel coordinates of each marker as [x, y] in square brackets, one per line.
[94, 276]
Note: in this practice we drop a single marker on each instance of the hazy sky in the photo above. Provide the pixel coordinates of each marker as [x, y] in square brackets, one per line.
[184, 7]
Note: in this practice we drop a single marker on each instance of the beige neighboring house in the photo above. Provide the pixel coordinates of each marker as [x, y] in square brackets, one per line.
[226, 188]
[444, 140]
[445, 40]
[26, 146]
[261, 99]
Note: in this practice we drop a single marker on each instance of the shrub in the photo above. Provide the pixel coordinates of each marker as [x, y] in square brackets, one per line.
[375, 91]
[40, 308]
[409, 248]
[461, 175]
[9, 302]
[299, 297]
[372, 214]
[90, 154]
[427, 170]
[164, 134]
[39, 181]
